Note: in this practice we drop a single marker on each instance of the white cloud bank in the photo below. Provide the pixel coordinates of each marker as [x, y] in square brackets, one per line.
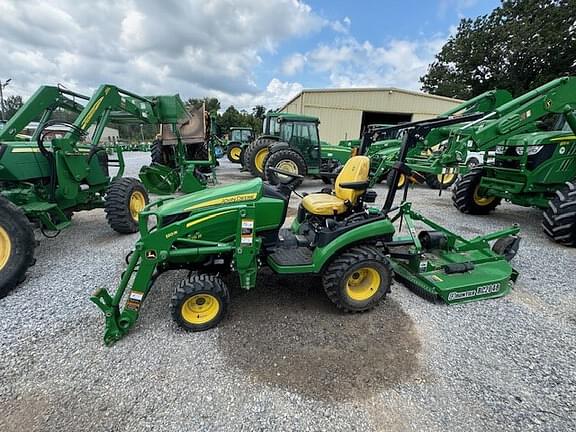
[193, 47]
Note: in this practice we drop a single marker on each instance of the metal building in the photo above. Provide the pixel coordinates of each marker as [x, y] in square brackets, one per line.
[343, 113]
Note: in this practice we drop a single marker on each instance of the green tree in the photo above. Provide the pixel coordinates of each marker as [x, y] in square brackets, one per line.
[11, 105]
[521, 45]
[212, 104]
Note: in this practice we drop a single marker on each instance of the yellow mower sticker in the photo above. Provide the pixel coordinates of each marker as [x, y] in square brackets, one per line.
[225, 200]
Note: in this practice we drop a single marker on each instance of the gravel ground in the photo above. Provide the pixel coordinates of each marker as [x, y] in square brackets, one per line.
[285, 359]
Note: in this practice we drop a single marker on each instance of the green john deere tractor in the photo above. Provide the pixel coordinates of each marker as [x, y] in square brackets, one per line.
[239, 139]
[297, 149]
[533, 166]
[60, 170]
[337, 234]
[254, 154]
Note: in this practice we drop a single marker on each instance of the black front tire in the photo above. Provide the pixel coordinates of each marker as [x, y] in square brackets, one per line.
[234, 153]
[465, 195]
[200, 302]
[124, 199]
[17, 245]
[559, 221]
[338, 276]
[282, 158]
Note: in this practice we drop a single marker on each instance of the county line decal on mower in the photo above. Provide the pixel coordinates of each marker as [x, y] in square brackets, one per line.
[483, 290]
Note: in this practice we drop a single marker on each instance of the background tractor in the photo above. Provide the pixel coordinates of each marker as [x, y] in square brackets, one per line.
[238, 229]
[47, 177]
[239, 138]
[532, 165]
[296, 149]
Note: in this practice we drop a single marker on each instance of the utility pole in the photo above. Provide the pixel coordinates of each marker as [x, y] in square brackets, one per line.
[2, 86]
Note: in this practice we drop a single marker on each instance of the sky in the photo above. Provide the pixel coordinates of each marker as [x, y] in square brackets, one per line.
[245, 52]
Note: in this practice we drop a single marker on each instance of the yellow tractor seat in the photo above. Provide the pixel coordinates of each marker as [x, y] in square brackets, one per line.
[350, 185]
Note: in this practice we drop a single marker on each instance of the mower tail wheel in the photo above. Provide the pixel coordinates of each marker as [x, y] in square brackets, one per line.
[507, 247]
[467, 199]
[559, 221]
[125, 199]
[200, 302]
[358, 279]
[16, 246]
[285, 160]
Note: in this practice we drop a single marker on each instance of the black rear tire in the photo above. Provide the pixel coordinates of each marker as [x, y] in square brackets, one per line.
[465, 195]
[124, 199]
[282, 158]
[559, 221]
[163, 155]
[17, 245]
[254, 155]
[338, 279]
[200, 302]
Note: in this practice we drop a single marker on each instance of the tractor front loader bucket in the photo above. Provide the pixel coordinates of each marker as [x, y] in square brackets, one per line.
[160, 179]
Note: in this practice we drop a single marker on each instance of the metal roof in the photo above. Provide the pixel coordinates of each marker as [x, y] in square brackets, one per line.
[368, 89]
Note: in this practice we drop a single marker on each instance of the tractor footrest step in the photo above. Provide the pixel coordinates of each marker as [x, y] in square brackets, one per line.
[291, 240]
[292, 256]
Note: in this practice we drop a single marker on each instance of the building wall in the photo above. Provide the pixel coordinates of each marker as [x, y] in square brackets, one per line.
[340, 112]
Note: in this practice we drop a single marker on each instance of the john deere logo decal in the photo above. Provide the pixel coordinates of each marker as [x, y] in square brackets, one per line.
[548, 103]
[151, 254]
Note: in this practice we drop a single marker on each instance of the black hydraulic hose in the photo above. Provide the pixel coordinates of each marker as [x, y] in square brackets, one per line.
[75, 130]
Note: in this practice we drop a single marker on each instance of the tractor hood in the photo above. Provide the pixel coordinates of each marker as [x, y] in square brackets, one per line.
[213, 197]
[539, 138]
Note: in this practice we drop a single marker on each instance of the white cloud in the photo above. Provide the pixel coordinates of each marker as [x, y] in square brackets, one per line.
[193, 47]
[351, 63]
[276, 94]
[293, 64]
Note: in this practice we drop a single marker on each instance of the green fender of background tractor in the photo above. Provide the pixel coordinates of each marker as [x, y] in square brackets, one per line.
[339, 153]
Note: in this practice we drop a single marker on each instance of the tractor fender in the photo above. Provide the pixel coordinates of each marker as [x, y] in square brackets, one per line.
[362, 233]
[280, 145]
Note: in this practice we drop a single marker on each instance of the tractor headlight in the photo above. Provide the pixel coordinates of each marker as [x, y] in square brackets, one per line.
[532, 150]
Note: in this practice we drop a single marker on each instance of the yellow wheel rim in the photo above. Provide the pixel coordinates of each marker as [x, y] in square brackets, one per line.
[260, 159]
[446, 178]
[481, 200]
[200, 309]
[288, 166]
[235, 153]
[5, 247]
[363, 284]
[401, 180]
[137, 203]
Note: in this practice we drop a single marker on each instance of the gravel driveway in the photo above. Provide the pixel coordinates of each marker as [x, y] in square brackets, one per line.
[285, 358]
